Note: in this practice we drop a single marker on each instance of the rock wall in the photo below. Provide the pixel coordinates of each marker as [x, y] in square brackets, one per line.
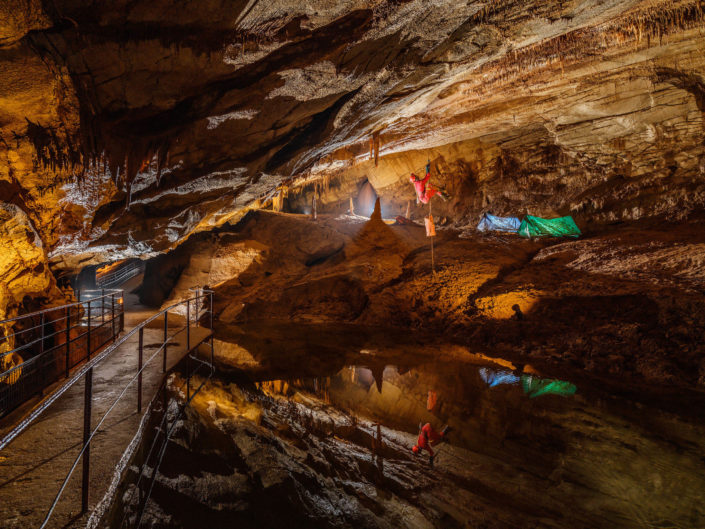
[126, 128]
[27, 283]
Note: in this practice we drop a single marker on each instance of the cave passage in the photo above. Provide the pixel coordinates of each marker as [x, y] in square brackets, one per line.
[250, 249]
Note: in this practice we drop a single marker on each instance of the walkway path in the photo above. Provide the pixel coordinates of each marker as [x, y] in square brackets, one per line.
[34, 465]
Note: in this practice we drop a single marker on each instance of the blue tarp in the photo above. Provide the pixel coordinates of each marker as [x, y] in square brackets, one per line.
[492, 223]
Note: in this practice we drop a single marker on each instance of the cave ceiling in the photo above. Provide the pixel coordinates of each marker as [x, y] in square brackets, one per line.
[127, 126]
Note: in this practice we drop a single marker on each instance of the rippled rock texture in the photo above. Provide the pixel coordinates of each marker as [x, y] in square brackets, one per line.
[27, 283]
[127, 127]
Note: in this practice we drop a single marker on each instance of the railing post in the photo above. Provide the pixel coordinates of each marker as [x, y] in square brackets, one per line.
[210, 297]
[43, 372]
[188, 377]
[102, 305]
[88, 338]
[122, 312]
[166, 319]
[68, 339]
[198, 306]
[112, 315]
[87, 400]
[139, 374]
[188, 326]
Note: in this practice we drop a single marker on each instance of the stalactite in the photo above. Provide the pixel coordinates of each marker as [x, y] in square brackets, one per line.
[570, 48]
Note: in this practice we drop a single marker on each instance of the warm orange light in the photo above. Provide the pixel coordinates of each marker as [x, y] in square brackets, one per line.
[500, 306]
[120, 301]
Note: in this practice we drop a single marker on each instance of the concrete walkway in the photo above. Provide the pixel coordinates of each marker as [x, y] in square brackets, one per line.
[34, 465]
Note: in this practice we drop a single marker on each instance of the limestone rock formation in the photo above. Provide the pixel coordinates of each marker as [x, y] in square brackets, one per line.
[23, 264]
[144, 122]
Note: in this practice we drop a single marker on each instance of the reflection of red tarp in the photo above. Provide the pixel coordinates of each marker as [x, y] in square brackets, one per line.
[432, 400]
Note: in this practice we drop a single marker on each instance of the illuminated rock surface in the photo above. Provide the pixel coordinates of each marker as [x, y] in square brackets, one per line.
[163, 130]
[593, 108]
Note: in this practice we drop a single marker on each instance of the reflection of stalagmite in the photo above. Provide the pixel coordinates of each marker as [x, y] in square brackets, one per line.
[378, 375]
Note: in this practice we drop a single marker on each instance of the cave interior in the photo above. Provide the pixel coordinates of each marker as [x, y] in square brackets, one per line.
[541, 295]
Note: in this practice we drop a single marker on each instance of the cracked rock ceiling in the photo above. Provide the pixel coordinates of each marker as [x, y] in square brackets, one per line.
[127, 126]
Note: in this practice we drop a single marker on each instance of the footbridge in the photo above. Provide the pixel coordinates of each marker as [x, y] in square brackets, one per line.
[77, 388]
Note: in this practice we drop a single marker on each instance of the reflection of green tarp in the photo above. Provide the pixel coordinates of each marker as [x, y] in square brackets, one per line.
[534, 386]
[538, 227]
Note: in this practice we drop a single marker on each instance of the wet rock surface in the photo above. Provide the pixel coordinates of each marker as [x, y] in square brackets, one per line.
[626, 302]
[306, 452]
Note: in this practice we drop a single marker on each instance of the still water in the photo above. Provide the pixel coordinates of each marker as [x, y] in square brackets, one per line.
[321, 422]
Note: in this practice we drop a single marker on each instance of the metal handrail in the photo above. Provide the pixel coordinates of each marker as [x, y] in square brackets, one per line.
[87, 371]
[109, 292]
[167, 430]
[43, 341]
[120, 275]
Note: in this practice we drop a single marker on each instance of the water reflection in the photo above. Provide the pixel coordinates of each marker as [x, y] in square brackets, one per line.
[566, 458]
[532, 385]
[456, 393]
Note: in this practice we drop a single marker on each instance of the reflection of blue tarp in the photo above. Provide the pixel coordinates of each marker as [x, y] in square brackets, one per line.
[533, 386]
[492, 223]
[495, 378]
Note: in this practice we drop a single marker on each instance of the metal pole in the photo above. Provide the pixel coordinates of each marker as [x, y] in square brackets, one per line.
[198, 306]
[122, 311]
[188, 377]
[433, 265]
[166, 323]
[68, 338]
[88, 339]
[41, 353]
[139, 375]
[112, 314]
[188, 325]
[102, 305]
[210, 296]
[87, 397]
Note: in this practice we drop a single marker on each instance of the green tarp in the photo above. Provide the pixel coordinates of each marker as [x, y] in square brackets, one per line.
[538, 227]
